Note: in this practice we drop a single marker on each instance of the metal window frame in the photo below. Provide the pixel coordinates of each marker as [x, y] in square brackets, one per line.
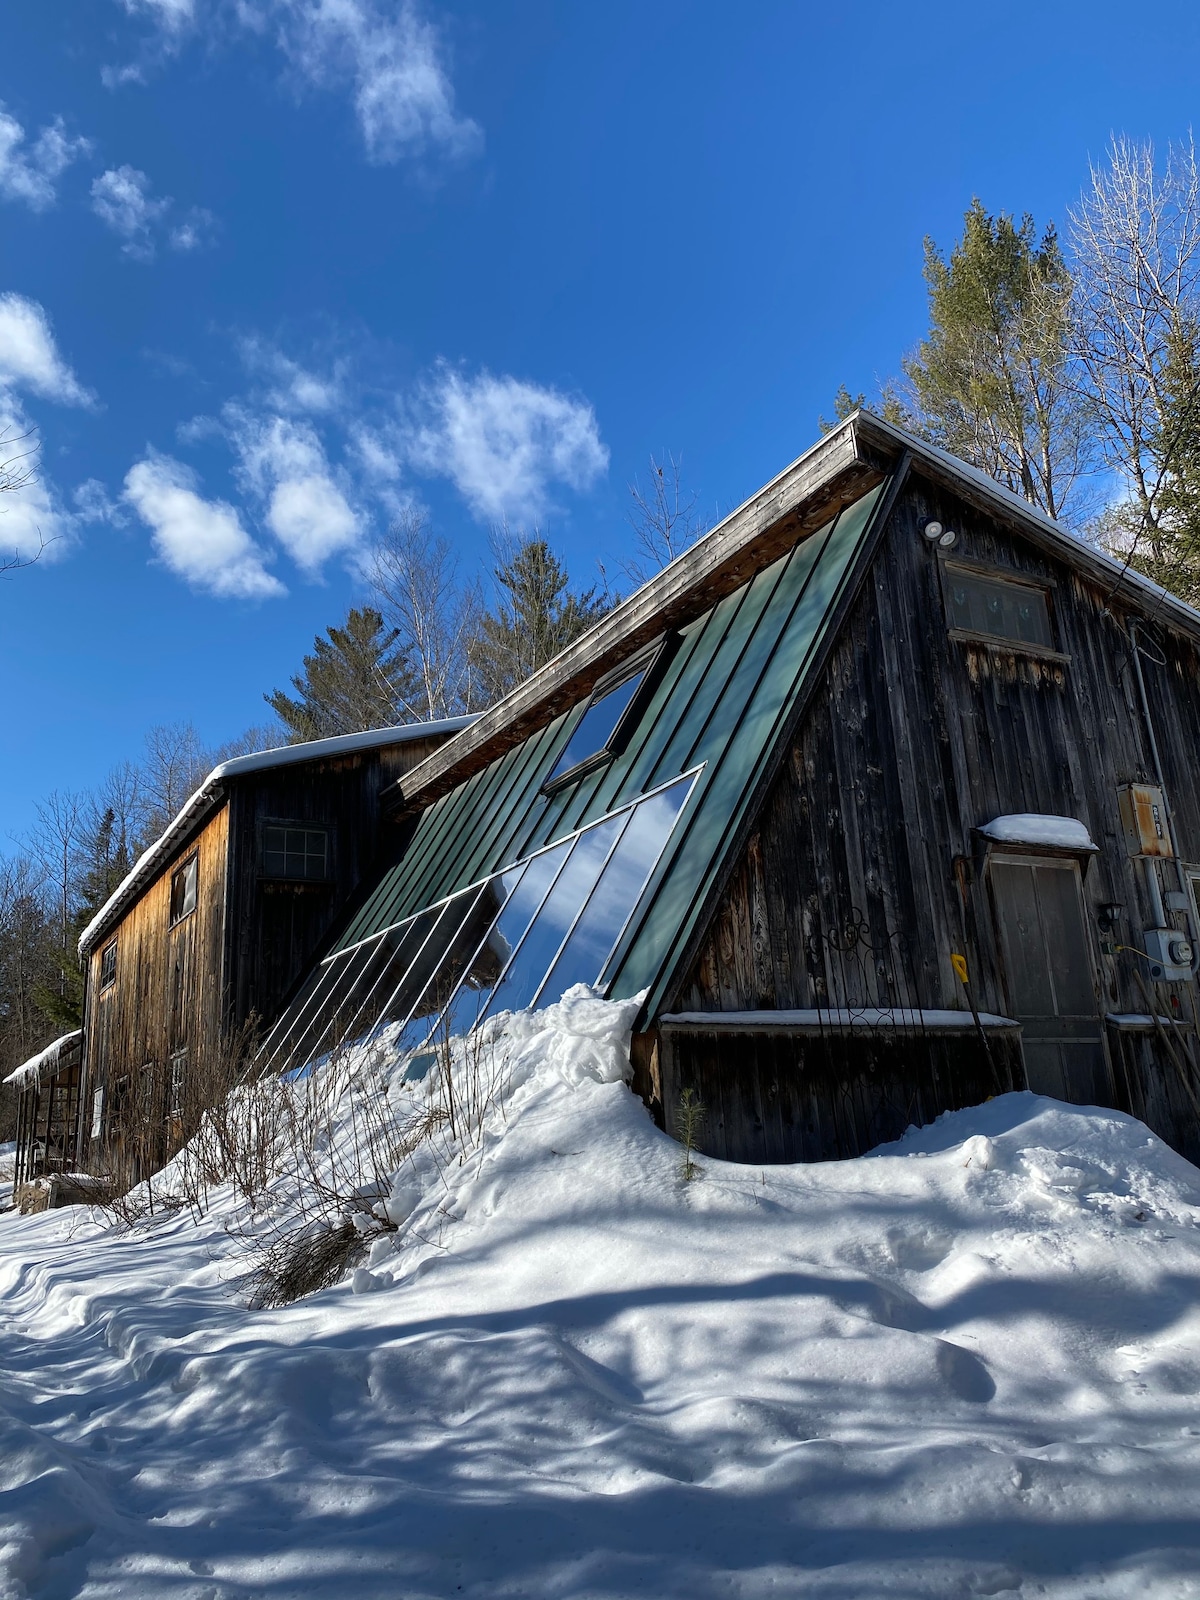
[650, 661]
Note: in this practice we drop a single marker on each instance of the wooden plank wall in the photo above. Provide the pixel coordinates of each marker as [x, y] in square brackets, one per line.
[167, 994]
[775, 1097]
[862, 876]
[275, 928]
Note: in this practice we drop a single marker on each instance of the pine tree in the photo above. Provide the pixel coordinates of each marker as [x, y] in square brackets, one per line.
[356, 678]
[104, 859]
[537, 614]
[992, 382]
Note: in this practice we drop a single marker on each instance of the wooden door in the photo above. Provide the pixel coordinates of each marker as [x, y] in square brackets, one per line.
[1049, 977]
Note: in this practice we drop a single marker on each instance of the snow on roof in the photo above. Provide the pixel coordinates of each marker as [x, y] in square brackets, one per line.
[206, 796]
[1053, 833]
[45, 1063]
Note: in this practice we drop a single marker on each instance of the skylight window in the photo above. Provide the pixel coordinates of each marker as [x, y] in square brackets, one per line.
[610, 715]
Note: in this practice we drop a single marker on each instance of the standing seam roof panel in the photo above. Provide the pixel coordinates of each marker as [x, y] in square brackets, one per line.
[720, 703]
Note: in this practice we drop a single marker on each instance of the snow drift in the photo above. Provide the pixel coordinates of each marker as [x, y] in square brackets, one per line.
[964, 1365]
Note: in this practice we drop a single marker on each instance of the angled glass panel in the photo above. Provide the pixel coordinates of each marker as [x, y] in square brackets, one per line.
[454, 960]
[597, 726]
[530, 884]
[618, 888]
[439, 924]
[562, 905]
[296, 1037]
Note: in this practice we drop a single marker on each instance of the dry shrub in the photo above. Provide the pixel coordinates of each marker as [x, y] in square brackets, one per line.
[302, 1261]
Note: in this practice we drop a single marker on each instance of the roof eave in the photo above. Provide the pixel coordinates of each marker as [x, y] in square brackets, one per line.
[836, 471]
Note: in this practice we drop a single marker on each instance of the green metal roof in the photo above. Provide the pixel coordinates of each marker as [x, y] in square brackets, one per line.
[720, 705]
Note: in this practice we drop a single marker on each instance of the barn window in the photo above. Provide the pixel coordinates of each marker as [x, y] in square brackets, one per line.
[990, 607]
[610, 715]
[183, 889]
[178, 1066]
[108, 965]
[289, 851]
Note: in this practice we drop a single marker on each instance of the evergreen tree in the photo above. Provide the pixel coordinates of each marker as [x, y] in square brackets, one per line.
[992, 383]
[104, 859]
[1166, 546]
[537, 614]
[356, 678]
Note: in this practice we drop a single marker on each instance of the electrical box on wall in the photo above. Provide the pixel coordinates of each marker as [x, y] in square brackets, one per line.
[1170, 954]
[1144, 819]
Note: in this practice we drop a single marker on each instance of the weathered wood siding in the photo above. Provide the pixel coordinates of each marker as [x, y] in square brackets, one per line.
[862, 875]
[167, 994]
[276, 927]
[779, 1098]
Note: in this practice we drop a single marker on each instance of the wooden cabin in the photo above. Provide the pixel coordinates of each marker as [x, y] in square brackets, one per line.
[47, 1088]
[883, 797]
[216, 922]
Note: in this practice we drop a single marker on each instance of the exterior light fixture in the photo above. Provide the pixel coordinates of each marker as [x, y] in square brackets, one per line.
[948, 539]
[933, 530]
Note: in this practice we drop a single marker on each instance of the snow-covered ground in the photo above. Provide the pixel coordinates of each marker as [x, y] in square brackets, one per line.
[965, 1365]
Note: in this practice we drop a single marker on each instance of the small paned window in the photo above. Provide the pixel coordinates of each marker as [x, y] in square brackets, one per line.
[108, 965]
[183, 889]
[994, 608]
[610, 715]
[293, 852]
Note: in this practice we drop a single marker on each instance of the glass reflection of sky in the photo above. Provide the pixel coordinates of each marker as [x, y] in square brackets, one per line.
[615, 894]
[597, 726]
[521, 938]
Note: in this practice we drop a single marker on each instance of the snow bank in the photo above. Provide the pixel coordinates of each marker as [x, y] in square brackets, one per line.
[964, 1365]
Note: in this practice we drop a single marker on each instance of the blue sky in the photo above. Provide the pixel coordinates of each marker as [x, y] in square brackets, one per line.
[270, 269]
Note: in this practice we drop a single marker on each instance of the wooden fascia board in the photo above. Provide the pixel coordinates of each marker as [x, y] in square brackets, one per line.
[837, 471]
[1127, 586]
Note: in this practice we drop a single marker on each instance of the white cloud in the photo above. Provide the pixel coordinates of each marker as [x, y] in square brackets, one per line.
[94, 504]
[392, 57]
[291, 387]
[389, 56]
[170, 14]
[31, 173]
[504, 443]
[32, 520]
[194, 232]
[202, 541]
[29, 358]
[121, 199]
[283, 462]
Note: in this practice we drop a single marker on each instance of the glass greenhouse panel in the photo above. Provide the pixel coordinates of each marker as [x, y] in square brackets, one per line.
[616, 892]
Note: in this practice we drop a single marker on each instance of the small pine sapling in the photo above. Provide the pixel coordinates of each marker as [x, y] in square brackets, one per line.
[690, 1120]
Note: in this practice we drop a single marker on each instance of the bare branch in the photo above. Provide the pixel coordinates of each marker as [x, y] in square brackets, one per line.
[663, 517]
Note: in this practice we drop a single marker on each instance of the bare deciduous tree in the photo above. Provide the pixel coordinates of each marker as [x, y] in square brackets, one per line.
[663, 517]
[415, 577]
[18, 469]
[1136, 242]
[175, 764]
